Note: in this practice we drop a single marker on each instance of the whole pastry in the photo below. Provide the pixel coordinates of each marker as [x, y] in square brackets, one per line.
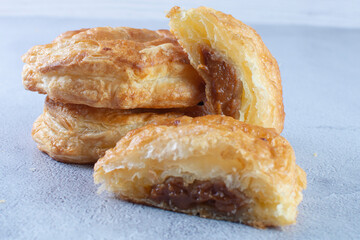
[242, 77]
[80, 134]
[119, 68]
[213, 166]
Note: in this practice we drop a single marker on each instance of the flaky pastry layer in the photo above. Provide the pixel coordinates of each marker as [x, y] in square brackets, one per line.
[213, 166]
[242, 77]
[119, 68]
[80, 134]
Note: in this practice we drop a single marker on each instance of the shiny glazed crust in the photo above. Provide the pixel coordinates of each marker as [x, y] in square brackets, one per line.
[253, 160]
[81, 134]
[258, 75]
[119, 68]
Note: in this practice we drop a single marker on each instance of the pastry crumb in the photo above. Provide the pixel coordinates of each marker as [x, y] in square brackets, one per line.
[315, 154]
[33, 169]
[2, 201]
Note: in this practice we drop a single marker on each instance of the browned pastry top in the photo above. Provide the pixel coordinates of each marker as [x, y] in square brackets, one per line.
[120, 67]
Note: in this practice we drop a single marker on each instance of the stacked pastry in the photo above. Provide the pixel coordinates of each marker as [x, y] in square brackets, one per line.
[102, 83]
[231, 164]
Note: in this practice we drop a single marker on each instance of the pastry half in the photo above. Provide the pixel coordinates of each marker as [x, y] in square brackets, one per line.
[242, 77]
[80, 134]
[119, 68]
[213, 166]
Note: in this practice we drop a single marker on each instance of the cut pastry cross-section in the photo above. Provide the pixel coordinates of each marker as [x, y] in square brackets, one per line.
[242, 77]
[118, 68]
[80, 134]
[213, 166]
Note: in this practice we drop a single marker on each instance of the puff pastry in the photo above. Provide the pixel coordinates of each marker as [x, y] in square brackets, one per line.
[80, 134]
[213, 166]
[242, 77]
[119, 68]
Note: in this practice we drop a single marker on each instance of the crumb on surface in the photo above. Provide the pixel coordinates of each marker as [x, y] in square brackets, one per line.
[2, 201]
[32, 169]
[315, 154]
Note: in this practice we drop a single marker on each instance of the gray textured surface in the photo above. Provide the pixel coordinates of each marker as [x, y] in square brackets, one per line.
[45, 199]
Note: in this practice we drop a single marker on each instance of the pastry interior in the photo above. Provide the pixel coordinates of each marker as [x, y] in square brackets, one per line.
[211, 166]
[242, 77]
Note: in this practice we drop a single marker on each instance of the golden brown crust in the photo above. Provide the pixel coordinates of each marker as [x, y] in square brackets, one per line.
[209, 35]
[119, 68]
[250, 159]
[80, 134]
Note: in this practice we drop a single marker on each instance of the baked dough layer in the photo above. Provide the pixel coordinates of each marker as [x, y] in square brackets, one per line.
[80, 134]
[240, 172]
[242, 77]
[119, 68]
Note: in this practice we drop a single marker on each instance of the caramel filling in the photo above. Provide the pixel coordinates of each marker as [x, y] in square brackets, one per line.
[223, 89]
[213, 194]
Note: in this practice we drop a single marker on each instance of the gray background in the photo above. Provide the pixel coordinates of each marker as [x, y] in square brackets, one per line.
[45, 199]
[335, 13]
